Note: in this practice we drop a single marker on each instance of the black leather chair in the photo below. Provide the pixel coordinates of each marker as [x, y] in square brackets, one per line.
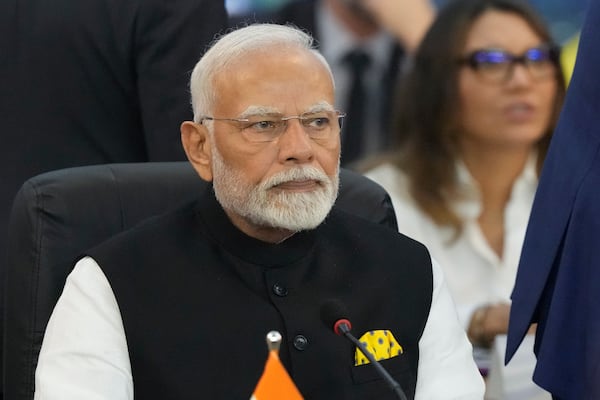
[59, 214]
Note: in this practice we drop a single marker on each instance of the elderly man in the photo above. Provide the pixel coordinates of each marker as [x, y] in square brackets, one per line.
[179, 307]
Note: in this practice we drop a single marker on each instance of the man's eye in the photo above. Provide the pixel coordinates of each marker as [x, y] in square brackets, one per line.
[317, 122]
[263, 125]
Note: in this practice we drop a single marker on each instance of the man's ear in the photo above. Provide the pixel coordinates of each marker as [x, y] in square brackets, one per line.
[196, 143]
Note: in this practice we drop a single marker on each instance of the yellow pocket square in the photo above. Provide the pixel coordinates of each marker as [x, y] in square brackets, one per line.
[381, 343]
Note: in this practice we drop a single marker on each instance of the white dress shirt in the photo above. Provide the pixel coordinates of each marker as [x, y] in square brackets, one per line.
[84, 353]
[476, 275]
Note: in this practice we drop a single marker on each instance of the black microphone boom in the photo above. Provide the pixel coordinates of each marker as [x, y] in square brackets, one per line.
[335, 316]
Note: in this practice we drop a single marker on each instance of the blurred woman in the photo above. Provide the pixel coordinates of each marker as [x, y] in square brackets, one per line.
[475, 117]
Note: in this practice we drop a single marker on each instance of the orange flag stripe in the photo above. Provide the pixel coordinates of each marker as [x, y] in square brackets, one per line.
[275, 383]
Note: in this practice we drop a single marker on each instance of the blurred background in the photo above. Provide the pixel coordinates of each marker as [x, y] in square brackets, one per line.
[564, 16]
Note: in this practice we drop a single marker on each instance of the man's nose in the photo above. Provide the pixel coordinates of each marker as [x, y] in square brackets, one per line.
[294, 142]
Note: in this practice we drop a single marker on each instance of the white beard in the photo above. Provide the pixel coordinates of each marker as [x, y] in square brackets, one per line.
[275, 208]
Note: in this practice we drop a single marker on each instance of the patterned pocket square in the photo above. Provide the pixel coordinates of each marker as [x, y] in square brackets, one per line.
[381, 343]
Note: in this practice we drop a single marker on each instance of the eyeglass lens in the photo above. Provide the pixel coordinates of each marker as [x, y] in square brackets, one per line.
[498, 65]
[318, 126]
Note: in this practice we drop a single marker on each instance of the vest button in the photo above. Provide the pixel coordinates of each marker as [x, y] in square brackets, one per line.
[280, 290]
[300, 342]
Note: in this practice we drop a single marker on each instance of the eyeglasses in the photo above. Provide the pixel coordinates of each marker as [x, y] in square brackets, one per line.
[322, 125]
[497, 65]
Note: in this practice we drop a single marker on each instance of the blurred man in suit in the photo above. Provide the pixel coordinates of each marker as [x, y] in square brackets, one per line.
[558, 283]
[93, 82]
[366, 43]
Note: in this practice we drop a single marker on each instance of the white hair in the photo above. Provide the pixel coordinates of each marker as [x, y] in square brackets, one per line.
[234, 45]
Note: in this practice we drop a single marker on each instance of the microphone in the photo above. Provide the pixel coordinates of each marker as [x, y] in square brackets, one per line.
[335, 316]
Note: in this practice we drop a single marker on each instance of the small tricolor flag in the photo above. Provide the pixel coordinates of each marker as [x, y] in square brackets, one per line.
[275, 383]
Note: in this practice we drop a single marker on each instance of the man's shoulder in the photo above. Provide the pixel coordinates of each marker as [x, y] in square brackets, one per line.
[168, 224]
[365, 247]
[354, 228]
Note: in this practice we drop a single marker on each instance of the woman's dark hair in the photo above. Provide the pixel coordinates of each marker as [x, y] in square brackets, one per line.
[427, 109]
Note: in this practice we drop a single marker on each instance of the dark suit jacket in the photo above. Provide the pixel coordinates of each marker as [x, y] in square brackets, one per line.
[558, 283]
[302, 13]
[95, 81]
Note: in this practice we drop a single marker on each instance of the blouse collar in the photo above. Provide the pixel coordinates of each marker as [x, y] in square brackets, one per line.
[469, 204]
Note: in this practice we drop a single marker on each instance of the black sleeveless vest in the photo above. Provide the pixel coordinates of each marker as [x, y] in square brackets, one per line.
[197, 298]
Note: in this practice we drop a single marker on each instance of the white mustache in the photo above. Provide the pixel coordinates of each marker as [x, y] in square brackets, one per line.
[296, 174]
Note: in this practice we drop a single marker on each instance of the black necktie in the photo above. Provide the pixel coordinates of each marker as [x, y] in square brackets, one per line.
[353, 132]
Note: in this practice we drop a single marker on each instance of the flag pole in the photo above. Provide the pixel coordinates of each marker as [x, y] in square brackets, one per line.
[274, 341]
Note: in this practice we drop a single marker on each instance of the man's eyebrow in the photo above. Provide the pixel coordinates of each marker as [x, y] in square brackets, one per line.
[259, 110]
[320, 106]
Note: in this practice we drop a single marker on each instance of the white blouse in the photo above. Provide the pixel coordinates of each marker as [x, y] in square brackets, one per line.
[473, 271]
